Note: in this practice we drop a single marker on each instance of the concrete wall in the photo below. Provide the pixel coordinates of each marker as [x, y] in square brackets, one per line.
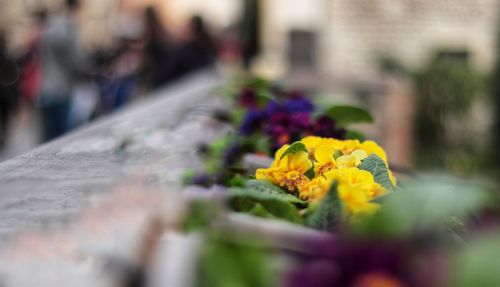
[360, 30]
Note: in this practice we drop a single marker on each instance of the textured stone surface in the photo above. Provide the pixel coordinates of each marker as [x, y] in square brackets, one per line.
[67, 206]
[49, 186]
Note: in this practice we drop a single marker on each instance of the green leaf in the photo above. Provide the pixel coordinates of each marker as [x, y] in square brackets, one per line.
[260, 211]
[294, 148]
[265, 189]
[355, 135]
[227, 262]
[376, 166]
[310, 173]
[201, 214]
[238, 114]
[188, 176]
[423, 204]
[344, 115]
[264, 96]
[337, 153]
[329, 213]
[237, 181]
[477, 263]
[263, 144]
[264, 199]
[263, 205]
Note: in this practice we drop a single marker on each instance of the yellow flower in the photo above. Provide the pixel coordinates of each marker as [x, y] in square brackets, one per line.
[356, 201]
[360, 150]
[371, 147]
[333, 160]
[354, 152]
[357, 177]
[356, 189]
[347, 146]
[288, 171]
[313, 142]
[315, 189]
[324, 160]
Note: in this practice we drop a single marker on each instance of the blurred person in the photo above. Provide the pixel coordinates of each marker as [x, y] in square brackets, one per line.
[117, 75]
[62, 64]
[166, 60]
[199, 51]
[30, 80]
[250, 31]
[119, 66]
[9, 74]
[159, 63]
[230, 46]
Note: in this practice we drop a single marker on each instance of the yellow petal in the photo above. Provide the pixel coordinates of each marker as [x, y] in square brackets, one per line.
[311, 142]
[360, 155]
[345, 161]
[348, 146]
[334, 143]
[392, 178]
[371, 147]
[356, 200]
[261, 174]
[279, 152]
[324, 154]
[300, 162]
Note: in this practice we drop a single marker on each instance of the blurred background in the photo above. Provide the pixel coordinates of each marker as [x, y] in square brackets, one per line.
[428, 70]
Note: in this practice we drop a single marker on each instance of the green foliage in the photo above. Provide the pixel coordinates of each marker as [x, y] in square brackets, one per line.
[201, 213]
[226, 263]
[424, 204]
[213, 157]
[257, 84]
[376, 166]
[477, 264]
[188, 176]
[494, 86]
[310, 173]
[337, 153]
[294, 148]
[344, 115]
[263, 144]
[238, 114]
[264, 96]
[237, 181]
[447, 84]
[265, 188]
[390, 65]
[355, 135]
[261, 198]
[267, 206]
[446, 88]
[328, 215]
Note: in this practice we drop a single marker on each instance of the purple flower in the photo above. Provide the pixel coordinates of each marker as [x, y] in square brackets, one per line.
[284, 127]
[326, 127]
[299, 105]
[253, 121]
[346, 262]
[202, 179]
[232, 155]
[248, 98]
